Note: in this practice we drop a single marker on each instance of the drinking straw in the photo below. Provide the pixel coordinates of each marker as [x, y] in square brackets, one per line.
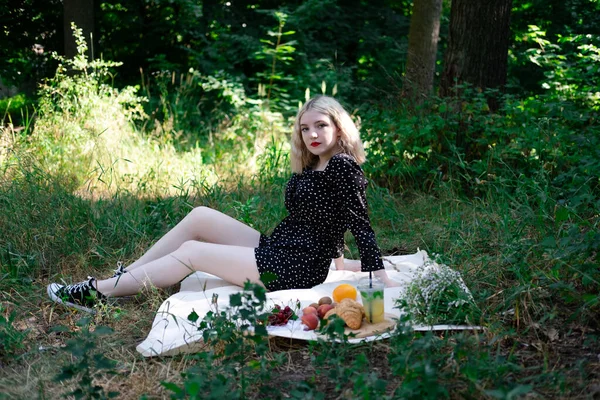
[371, 299]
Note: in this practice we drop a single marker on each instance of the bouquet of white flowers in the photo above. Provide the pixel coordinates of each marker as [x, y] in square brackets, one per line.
[438, 295]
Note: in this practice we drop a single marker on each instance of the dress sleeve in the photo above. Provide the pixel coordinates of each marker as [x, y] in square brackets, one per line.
[290, 193]
[351, 184]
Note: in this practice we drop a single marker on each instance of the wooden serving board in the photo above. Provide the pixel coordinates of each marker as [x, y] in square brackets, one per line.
[367, 329]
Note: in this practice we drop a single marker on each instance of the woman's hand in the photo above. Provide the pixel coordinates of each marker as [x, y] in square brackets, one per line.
[392, 283]
[383, 276]
[342, 264]
[352, 265]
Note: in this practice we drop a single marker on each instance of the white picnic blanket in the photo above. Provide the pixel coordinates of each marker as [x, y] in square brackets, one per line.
[172, 333]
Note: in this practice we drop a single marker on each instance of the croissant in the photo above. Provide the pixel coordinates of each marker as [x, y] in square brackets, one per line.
[350, 311]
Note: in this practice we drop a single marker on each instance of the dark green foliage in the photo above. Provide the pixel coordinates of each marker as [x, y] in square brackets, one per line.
[560, 20]
[570, 67]
[419, 368]
[17, 110]
[357, 46]
[344, 368]
[426, 364]
[236, 362]
[463, 143]
[26, 24]
[189, 108]
[167, 34]
[11, 339]
[87, 363]
[540, 155]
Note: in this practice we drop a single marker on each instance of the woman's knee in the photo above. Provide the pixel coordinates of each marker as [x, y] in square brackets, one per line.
[199, 212]
[200, 215]
[190, 246]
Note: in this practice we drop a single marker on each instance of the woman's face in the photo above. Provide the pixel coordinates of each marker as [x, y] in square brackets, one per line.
[320, 135]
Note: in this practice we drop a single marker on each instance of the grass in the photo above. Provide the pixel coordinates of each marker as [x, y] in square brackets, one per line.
[82, 191]
[53, 232]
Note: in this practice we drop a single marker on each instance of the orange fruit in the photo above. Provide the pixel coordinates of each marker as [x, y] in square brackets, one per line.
[344, 291]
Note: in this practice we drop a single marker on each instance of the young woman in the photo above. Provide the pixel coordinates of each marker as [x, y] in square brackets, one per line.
[324, 198]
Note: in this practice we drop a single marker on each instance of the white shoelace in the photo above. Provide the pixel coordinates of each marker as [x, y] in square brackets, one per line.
[120, 270]
[81, 286]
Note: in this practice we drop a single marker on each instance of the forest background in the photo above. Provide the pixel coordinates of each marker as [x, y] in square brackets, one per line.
[480, 121]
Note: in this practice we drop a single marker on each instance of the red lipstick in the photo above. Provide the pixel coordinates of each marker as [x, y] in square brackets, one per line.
[315, 144]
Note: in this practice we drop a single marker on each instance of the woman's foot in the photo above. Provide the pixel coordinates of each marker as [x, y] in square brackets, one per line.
[82, 296]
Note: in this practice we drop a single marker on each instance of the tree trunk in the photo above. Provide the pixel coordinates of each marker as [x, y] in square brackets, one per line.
[423, 39]
[477, 51]
[82, 13]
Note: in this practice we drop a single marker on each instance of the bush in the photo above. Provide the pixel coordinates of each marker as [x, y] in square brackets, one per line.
[537, 161]
[84, 124]
[86, 132]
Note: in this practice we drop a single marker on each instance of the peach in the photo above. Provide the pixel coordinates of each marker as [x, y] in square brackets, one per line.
[323, 309]
[311, 321]
[315, 305]
[309, 310]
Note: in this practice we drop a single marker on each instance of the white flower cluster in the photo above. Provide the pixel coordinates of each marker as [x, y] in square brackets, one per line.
[437, 295]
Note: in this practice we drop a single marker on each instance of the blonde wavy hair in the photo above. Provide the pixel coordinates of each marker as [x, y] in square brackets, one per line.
[349, 140]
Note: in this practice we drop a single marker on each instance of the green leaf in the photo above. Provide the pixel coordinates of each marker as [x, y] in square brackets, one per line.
[85, 321]
[192, 388]
[260, 330]
[268, 277]
[235, 300]
[561, 214]
[549, 242]
[172, 387]
[103, 330]
[193, 317]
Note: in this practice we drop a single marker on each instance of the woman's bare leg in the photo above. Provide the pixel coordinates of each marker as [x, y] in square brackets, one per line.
[235, 264]
[204, 224]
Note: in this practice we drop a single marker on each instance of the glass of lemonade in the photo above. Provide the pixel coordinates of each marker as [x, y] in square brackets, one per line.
[371, 292]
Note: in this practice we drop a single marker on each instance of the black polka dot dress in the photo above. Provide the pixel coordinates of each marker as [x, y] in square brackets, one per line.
[322, 206]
